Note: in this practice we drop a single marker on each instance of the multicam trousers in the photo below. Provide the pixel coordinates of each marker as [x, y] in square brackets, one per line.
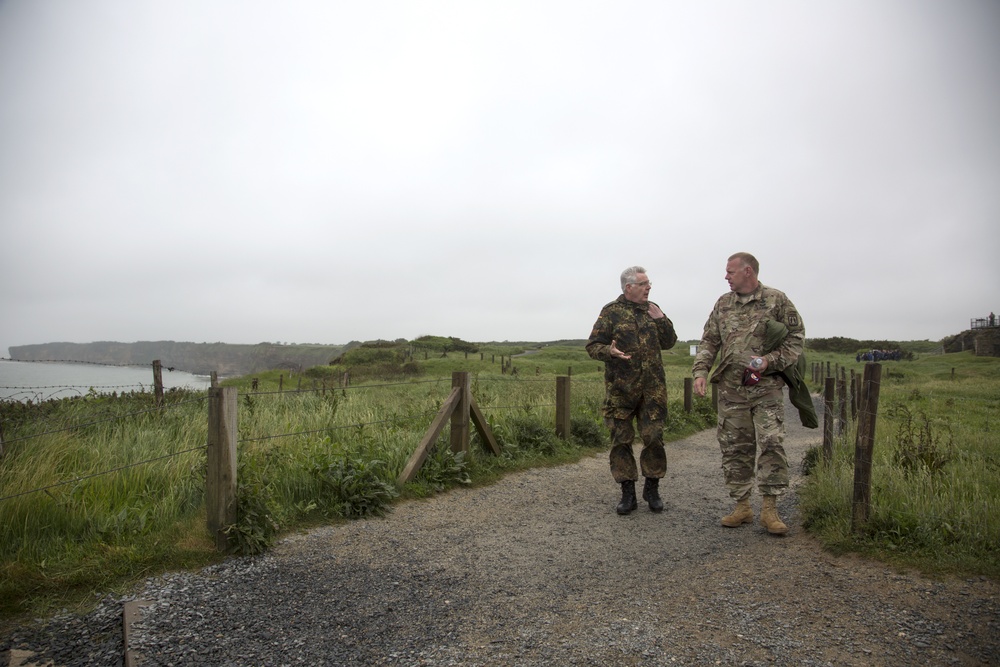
[752, 419]
[653, 458]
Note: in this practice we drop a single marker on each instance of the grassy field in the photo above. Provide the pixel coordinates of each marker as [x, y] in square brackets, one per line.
[98, 492]
[935, 491]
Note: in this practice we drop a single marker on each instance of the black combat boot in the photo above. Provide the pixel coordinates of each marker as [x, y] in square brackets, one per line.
[628, 502]
[651, 494]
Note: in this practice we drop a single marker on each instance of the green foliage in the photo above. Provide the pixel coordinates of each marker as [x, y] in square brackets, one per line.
[588, 433]
[524, 432]
[256, 528]
[354, 486]
[812, 457]
[935, 478]
[443, 345]
[309, 455]
[840, 345]
[918, 447]
[443, 469]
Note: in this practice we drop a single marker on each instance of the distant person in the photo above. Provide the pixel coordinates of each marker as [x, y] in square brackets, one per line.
[751, 405]
[993, 320]
[628, 337]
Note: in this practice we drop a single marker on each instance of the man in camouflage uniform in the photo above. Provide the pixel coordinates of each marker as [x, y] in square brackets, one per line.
[628, 337]
[751, 403]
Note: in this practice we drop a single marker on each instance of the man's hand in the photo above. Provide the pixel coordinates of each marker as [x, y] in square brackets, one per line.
[699, 386]
[763, 364]
[654, 311]
[616, 353]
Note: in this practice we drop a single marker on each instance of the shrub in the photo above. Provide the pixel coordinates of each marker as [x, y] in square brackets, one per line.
[355, 486]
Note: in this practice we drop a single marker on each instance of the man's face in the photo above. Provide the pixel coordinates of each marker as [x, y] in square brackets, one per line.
[638, 292]
[740, 276]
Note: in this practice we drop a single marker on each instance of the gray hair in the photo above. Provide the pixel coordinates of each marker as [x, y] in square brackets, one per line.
[748, 260]
[628, 275]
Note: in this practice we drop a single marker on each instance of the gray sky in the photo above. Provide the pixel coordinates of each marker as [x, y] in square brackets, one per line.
[318, 172]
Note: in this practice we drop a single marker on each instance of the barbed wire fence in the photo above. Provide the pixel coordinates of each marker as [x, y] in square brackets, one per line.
[105, 418]
[837, 405]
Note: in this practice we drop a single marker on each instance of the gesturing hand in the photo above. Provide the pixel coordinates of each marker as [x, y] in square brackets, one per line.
[618, 354]
[654, 311]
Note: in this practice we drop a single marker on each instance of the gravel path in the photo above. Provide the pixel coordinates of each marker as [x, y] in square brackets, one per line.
[538, 569]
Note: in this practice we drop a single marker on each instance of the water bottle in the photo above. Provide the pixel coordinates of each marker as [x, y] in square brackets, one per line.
[756, 363]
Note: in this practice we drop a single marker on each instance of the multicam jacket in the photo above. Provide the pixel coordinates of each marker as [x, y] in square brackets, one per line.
[738, 328]
[637, 334]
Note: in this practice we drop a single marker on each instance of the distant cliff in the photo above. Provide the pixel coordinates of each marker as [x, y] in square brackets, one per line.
[199, 358]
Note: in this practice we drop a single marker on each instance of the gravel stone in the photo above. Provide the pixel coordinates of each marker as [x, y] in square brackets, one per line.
[538, 569]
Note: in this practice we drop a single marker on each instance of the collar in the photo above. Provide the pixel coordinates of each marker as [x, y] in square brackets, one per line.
[644, 307]
[755, 295]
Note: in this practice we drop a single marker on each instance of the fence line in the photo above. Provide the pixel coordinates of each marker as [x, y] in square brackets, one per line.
[561, 405]
[77, 426]
[336, 428]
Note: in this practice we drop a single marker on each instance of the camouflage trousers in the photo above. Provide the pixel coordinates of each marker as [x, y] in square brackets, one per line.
[751, 430]
[653, 458]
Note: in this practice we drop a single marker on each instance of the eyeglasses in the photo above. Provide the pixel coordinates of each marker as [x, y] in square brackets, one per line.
[644, 283]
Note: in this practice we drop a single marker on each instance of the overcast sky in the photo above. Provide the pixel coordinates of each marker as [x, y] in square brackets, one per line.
[317, 171]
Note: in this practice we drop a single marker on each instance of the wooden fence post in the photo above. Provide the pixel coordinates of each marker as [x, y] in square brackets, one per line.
[214, 379]
[842, 402]
[460, 417]
[861, 503]
[563, 429]
[158, 383]
[828, 420]
[220, 477]
[451, 407]
[854, 395]
[688, 384]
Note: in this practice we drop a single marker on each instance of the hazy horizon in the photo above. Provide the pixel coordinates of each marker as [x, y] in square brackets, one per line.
[248, 171]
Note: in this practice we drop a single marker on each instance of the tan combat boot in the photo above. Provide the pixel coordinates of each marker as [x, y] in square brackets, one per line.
[769, 517]
[740, 515]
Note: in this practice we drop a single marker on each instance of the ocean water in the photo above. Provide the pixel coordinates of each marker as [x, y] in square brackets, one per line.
[41, 380]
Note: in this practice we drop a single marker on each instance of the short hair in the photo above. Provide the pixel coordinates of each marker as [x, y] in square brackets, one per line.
[629, 274]
[748, 260]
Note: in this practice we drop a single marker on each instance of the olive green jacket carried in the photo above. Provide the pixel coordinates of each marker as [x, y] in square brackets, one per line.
[794, 376]
[640, 378]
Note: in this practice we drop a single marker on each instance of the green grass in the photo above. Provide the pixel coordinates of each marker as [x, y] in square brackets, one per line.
[309, 456]
[101, 491]
[935, 499]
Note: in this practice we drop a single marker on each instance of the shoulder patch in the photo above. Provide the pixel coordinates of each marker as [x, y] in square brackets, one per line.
[793, 320]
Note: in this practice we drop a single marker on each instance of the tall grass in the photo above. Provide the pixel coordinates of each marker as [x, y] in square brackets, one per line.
[935, 501]
[97, 491]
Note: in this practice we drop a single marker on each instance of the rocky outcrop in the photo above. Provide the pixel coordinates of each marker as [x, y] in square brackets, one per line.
[199, 358]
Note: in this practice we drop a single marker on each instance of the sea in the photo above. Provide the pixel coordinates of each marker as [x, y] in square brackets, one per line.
[41, 380]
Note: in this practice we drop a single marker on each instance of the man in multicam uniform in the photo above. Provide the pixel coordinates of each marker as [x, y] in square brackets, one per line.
[751, 403]
[628, 337]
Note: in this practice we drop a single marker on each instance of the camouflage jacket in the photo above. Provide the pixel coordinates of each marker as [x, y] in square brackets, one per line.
[736, 331]
[637, 334]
